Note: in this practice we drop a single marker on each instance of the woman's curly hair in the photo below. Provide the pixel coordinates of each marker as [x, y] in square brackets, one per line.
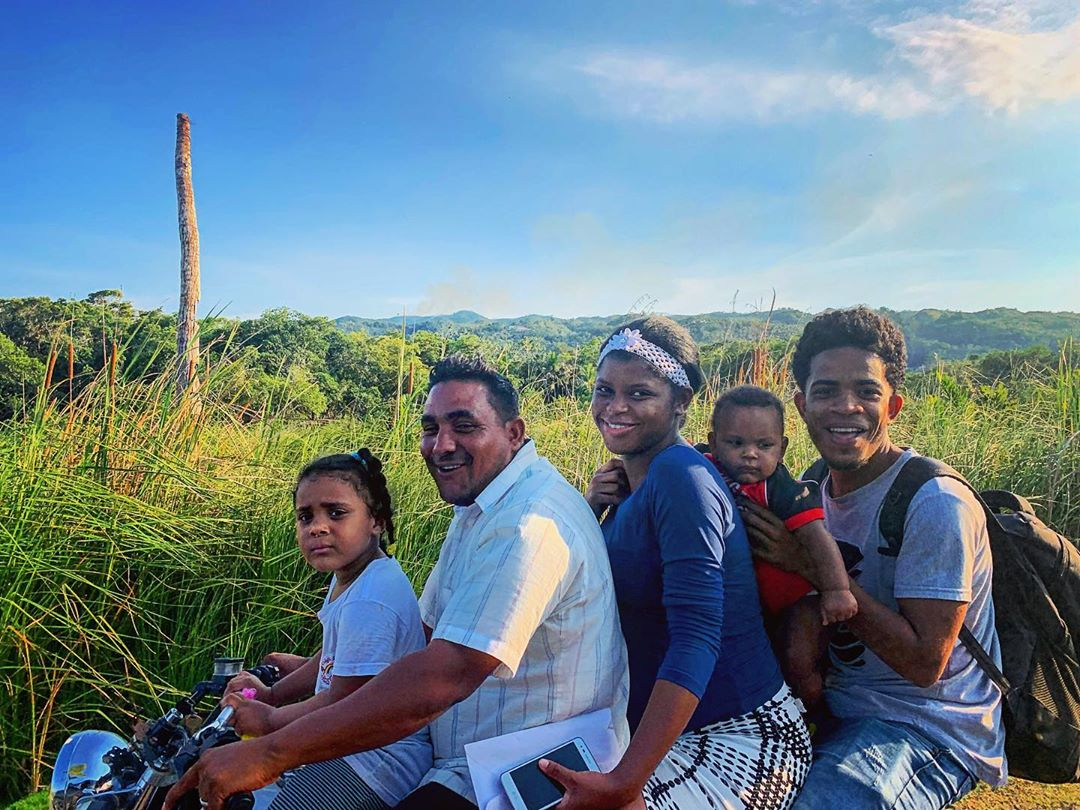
[859, 327]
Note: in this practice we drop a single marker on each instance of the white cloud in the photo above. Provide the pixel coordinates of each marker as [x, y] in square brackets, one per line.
[1005, 55]
[1009, 56]
[1019, 15]
[666, 90]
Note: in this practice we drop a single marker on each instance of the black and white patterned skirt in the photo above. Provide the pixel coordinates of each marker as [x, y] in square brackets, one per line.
[756, 761]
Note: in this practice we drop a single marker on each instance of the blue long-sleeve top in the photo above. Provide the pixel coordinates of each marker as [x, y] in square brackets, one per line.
[686, 591]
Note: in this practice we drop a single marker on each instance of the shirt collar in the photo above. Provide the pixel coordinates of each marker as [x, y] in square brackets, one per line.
[500, 485]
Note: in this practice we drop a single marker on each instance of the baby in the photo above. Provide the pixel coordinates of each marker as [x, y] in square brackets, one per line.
[747, 444]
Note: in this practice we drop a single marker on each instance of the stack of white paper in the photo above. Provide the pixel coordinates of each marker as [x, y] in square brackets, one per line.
[490, 759]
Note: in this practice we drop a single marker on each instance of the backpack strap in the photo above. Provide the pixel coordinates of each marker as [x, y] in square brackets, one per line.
[1001, 500]
[985, 662]
[916, 471]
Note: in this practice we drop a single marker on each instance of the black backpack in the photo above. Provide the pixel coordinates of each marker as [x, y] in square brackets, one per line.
[1036, 590]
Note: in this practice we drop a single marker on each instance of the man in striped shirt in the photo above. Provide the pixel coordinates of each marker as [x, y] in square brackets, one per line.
[520, 611]
[522, 583]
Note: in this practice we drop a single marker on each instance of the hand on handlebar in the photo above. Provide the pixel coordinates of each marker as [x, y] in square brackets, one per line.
[222, 772]
[245, 680]
[251, 717]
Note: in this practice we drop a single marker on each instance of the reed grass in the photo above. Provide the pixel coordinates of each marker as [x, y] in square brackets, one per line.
[140, 536]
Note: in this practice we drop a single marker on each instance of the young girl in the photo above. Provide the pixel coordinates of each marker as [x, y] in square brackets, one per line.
[370, 619]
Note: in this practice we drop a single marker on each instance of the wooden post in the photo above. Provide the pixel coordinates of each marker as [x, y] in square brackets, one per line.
[401, 370]
[187, 326]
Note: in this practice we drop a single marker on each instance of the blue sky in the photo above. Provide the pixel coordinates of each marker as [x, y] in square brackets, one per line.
[560, 158]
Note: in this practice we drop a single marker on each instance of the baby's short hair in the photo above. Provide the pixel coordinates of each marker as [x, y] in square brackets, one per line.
[748, 396]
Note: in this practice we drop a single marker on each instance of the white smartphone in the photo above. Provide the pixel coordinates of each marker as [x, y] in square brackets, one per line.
[529, 789]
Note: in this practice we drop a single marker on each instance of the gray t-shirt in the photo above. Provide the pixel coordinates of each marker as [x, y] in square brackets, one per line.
[945, 555]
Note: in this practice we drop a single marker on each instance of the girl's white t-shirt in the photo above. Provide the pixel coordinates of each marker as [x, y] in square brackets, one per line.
[373, 623]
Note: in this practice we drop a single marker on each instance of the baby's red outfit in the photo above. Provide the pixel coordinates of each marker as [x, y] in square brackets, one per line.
[794, 502]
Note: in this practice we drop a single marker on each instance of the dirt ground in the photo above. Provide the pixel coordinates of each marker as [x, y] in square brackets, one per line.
[1020, 794]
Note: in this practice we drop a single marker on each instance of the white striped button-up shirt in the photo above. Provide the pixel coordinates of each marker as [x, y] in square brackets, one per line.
[524, 576]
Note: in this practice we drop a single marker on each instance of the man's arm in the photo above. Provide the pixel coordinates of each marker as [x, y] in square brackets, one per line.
[916, 641]
[400, 700]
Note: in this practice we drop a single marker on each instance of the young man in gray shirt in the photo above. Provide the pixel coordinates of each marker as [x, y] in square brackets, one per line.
[918, 723]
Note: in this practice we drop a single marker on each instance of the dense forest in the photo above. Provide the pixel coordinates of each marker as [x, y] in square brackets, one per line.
[295, 364]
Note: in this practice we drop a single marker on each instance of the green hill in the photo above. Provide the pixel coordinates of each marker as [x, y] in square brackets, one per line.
[314, 367]
[931, 333]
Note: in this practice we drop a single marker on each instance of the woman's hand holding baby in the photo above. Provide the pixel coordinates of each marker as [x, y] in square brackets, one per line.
[609, 487]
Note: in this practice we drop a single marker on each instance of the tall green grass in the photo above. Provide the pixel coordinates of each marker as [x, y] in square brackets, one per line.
[140, 536]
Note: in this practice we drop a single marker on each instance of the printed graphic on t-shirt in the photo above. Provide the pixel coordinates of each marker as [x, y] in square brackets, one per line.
[846, 648]
[326, 670]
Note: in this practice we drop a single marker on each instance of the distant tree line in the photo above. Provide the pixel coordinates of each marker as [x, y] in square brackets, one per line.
[295, 364]
[932, 334]
[308, 367]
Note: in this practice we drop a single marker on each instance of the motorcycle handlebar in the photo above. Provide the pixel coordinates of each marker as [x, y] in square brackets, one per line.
[267, 673]
[240, 801]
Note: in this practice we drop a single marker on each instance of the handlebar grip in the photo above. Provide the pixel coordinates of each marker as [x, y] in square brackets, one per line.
[267, 673]
[240, 801]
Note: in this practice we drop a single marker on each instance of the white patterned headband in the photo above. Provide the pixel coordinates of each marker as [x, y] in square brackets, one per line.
[630, 340]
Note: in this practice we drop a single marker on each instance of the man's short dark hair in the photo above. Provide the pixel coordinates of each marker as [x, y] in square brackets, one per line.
[858, 327]
[502, 394]
[748, 396]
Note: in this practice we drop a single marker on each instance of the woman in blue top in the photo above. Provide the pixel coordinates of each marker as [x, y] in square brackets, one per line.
[713, 723]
